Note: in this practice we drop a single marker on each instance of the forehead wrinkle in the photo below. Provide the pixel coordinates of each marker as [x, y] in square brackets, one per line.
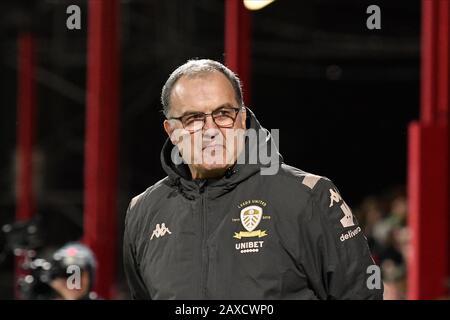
[194, 92]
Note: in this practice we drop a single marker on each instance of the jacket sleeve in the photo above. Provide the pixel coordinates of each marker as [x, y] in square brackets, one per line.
[136, 284]
[337, 257]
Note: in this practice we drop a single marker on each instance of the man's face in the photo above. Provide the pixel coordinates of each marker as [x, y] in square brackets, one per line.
[213, 148]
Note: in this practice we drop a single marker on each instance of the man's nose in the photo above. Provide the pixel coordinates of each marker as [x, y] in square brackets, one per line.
[210, 129]
[209, 123]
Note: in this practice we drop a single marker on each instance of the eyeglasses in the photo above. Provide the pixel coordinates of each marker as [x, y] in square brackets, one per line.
[223, 117]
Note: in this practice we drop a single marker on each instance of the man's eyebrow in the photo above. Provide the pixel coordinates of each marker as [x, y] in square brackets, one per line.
[224, 105]
[186, 113]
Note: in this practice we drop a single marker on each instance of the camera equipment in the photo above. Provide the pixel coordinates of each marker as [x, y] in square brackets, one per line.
[26, 240]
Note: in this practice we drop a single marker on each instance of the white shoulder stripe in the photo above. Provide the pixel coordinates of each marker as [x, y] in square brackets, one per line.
[311, 180]
[135, 199]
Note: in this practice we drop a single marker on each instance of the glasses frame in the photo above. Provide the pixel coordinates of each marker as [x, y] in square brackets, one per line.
[236, 110]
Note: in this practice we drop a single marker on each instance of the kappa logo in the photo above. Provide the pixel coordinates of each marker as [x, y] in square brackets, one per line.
[334, 197]
[347, 220]
[160, 231]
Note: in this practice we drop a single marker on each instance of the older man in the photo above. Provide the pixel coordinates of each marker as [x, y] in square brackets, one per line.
[222, 225]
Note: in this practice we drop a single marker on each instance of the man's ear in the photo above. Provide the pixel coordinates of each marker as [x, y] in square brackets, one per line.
[169, 128]
[244, 118]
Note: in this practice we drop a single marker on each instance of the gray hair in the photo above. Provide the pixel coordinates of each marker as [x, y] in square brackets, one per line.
[194, 68]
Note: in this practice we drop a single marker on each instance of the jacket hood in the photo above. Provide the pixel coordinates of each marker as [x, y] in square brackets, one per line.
[249, 162]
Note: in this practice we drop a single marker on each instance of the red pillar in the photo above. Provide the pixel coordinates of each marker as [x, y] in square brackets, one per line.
[101, 164]
[428, 189]
[238, 43]
[26, 113]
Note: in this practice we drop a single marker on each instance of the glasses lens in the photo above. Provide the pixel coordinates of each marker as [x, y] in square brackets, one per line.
[224, 117]
[193, 122]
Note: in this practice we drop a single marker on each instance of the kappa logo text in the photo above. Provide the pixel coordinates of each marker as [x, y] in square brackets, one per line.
[160, 231]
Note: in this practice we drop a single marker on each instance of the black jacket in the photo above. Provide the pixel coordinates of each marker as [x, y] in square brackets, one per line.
[245, 236]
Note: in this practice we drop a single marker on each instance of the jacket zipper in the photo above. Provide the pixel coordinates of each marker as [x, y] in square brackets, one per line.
[205, 262]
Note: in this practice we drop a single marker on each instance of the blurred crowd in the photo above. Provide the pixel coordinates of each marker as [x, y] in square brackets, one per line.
[384, 222]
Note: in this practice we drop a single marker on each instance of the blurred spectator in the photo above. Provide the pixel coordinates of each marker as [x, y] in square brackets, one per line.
[395, 219]
[370, 215]
[388, 237]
